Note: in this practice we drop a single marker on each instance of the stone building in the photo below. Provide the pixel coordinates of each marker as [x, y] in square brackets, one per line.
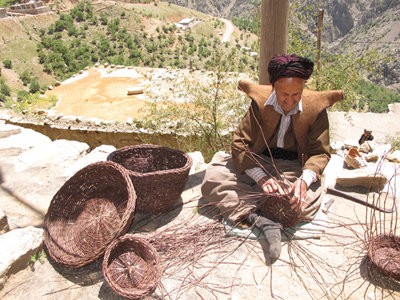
[32, 8]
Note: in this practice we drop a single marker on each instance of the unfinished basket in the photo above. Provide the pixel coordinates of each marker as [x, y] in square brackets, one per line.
[277, 208]
[131, 266]
[90, 210]
[159, 175]
[384, 252]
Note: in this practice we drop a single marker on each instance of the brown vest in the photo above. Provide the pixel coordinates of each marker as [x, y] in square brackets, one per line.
[313, 103]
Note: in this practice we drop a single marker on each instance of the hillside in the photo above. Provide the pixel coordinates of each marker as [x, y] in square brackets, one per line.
[57, 45]
[349, 25]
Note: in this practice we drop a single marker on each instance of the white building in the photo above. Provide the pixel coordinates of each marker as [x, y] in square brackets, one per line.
[32, 8]
[185, 23]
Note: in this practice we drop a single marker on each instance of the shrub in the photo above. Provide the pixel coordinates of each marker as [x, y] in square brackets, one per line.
[22, 95]
[34, 86]
[7, 63]
[25, 77]
[5, 89]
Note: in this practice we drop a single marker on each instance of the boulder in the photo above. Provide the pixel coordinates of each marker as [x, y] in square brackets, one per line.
[393, 158]
[3, 223]
[16, 248]
[336, 147]
[57, 83]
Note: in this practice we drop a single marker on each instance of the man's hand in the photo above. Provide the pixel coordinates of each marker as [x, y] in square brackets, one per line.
[270, 185]
[299, 190]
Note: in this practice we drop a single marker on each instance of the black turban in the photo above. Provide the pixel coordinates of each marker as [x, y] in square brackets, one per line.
[289, 65]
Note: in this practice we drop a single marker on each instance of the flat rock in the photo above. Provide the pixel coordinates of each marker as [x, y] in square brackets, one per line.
[7, 130]
[16, 247]
[51, 153]
[98, 154]
[350, 143]
[27, 139]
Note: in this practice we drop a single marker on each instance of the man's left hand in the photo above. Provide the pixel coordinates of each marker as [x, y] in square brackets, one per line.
[299, 190]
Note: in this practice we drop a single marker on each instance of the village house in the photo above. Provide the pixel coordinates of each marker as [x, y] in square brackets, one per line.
[32, 8]
[185, 23]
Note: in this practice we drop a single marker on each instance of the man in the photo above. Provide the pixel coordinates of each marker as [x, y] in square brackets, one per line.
[281, 146]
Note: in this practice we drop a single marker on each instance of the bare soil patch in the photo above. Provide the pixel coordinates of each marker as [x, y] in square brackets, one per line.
[99, 97]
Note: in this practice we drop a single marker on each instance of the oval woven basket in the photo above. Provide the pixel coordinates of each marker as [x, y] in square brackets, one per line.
[131, 266]
[89, 211]
[384, 252]
[277, 208]
[159, 175]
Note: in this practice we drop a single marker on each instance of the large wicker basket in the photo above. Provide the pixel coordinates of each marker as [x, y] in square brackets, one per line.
[90, 210]
[277, 208]
[131, 266]
[384, 252]
[159, 175]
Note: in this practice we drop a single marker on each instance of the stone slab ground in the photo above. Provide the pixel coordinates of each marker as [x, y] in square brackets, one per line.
[333, 266]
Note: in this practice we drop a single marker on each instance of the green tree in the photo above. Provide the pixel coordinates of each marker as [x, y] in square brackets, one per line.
[25, 77]
[7, 63]
[4, 88]
[34, 86]
[59, 25]
[205, 115]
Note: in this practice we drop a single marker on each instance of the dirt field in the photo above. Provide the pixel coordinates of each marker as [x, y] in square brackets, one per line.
[99, 97]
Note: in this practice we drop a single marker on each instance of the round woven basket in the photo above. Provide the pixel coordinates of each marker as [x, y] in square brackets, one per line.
[159, 175]
[89, 211]
[277, 208]
[384, 252]
[131, 266]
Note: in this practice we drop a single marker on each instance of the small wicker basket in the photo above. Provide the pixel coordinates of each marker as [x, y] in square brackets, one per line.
[159, 175]
[384, 252]
[89, 211]
[131, 266]
[277, 208]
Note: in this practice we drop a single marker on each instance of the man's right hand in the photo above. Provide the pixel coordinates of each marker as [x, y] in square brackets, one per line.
[270, 185]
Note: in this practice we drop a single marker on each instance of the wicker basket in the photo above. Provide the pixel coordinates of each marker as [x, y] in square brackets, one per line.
[159, 175]
[277, 208]
[384, 252]
[90, 210]
[131, 266]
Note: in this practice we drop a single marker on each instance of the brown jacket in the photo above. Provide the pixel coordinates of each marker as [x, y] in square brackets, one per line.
[310, 129]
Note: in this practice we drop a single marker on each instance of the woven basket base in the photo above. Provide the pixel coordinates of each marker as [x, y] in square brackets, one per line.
[96, 225]
[385, 255]
[278, 209]
[131, 267]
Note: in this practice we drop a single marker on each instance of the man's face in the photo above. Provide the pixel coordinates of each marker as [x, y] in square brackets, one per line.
[288, 92]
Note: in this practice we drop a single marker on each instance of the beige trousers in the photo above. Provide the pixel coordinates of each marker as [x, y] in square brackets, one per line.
[232, 192]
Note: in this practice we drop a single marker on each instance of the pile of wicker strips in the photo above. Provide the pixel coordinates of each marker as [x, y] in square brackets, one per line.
[384, 252]
[93, 208]
[159, 175]
[131, 266]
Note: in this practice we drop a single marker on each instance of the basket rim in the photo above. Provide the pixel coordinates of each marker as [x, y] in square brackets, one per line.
[188, 164]
[141, 292]
[72, 259]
